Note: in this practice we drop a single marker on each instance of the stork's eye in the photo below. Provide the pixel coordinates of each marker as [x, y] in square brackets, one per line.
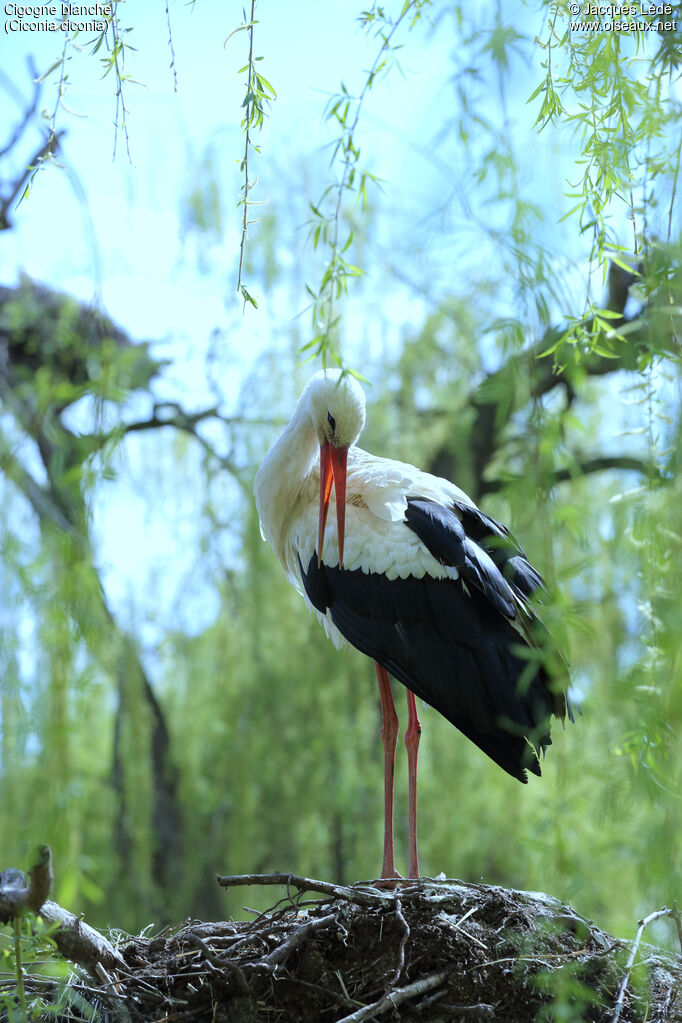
[331, 421]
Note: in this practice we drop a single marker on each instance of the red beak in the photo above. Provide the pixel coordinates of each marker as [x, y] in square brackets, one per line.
[332, 465]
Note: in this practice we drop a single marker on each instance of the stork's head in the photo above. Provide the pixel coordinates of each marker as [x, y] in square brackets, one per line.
[337, 408]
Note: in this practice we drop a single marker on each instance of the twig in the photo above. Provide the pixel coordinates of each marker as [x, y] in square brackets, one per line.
[279, 955]
[172, 50]
[457, 925]
[119, 1009]
[625, 463]
[397, 997]
[247, 143]
[643, 924]
[220, 963]
[325, 991]
[49, 148]
[403, 941]
[118, 48]
[546, 957]
[307, 884]
[480, 1009]
[28, 113]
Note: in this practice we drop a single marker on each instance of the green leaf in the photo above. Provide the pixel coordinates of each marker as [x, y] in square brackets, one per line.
[248, 297]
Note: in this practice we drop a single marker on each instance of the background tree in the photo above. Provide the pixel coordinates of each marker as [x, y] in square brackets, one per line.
[503, 353]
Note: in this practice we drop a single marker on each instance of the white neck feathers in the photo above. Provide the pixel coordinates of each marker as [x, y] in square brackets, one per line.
[289, 470]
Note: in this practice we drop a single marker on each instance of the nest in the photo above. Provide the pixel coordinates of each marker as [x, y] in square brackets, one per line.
[432, 950]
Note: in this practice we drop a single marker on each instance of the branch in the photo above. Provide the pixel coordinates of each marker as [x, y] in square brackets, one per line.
[306, 884]
[28, 113]
[81, 943]
[279, 955]
[528, 375]
[403, 941]
[395, 998]
[219, 963]
[621, 462]
[49, 148]
[40, 498]
[182, 419]
[631, 958]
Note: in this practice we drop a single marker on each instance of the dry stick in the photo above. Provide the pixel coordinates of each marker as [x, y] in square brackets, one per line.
[403, 941]
[219, 963]
[457, 926]
[325, 991]
[480, 1009]
[395, 998]
[81, 943]
[307, 884]
[277, 957]
[631, 959]
[119, 1010]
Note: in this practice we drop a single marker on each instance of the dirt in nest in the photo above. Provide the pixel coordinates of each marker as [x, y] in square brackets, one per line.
[427, 951]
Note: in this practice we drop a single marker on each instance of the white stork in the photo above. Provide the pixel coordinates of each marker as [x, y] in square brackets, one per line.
[414, 575]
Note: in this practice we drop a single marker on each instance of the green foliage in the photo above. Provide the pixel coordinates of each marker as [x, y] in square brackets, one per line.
[28, 948]
[569, 995]
[344, 111]
[617, 94]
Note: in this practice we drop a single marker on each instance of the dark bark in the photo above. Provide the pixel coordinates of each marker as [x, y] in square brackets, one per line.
[530, 375]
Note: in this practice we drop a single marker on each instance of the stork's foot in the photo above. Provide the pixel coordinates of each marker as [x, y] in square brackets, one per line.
[389, 879]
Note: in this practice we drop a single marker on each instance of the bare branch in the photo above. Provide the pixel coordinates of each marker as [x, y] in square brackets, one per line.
[403, 940]
[643, 924]
[41, 499]
[625, 463]
[220, 963]
[28, 113]
[81, 943]
[180, 419]
[279, 956]
[306, 884]
[395, 998]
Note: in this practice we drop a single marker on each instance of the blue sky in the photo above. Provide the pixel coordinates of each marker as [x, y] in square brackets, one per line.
[135, 209]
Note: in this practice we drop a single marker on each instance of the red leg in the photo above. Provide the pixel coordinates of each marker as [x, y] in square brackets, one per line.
[389, 737]
[412, 736]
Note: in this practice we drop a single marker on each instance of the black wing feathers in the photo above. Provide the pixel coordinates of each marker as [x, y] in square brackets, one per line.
[450, 648]
[453, 642]
[444, 536]
[501, 546]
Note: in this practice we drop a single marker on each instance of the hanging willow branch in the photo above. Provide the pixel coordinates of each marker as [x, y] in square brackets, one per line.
[259, 92]
[345, 109]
